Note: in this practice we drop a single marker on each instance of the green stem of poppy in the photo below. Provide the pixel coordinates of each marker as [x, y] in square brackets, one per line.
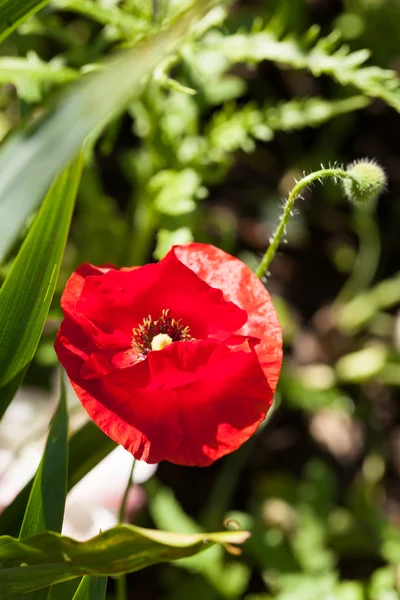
[155, 10]
[144, 225]
[288, 208]
[369, 253]
[121, 580]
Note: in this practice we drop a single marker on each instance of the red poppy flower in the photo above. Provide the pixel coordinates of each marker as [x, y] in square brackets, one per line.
[177, 360]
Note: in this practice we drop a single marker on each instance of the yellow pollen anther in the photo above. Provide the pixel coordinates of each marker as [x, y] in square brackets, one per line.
[160, 341]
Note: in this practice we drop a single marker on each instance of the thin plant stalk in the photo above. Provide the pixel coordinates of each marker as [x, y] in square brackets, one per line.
[121, 580]
[369, 253]
[288, 209]
[144, 226]
[155, 10]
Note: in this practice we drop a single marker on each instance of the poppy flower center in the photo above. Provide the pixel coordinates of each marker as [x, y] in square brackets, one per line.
[156, 334]
[160, 341]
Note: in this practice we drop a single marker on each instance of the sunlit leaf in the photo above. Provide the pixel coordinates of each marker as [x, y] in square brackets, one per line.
[62, 591]
[127, 25]
[166, 239]
[27, 292]
[175, 191]
[45, 509]
[31, 75]
[91, 588]
[14, 12]
[36, 562]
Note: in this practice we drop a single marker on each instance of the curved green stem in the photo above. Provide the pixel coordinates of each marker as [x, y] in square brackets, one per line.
[144, 225]
[369, 252]
[287, 211]
[121, 580]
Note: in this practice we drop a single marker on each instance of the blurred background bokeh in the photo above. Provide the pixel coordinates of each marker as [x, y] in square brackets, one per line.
[207, 153]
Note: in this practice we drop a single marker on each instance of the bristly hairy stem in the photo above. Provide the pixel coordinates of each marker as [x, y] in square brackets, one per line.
[288, 208]
[121, 580]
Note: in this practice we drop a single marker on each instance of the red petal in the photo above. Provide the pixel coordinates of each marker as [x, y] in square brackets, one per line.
[125, 414]
[221, 398]
[96, 367]
[75, 285]
[114, 304]
[189, 403]
[71, 296]
[73, 347]
[133, 421]
[241, 286]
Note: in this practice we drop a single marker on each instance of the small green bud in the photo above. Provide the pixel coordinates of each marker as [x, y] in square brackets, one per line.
[368, 181]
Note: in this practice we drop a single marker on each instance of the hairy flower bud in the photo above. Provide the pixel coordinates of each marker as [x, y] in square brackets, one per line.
[368, 181]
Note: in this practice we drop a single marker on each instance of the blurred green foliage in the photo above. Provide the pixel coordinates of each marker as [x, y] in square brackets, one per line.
[258, 93]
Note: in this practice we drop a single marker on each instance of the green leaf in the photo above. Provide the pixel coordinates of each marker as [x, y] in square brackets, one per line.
[8, 392]
[46, 558]
[234, 127]
[30, 160]
[304, 587]
[14, 12]
[127, 25]
[91, 588]
[46, 503]
[45, 509]
[175, 191]
[62, 591]
[319, 55]
[31, 75]
[87, 447]
[27, 292]
[166, 239]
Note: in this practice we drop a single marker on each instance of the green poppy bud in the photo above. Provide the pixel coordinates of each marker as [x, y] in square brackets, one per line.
[368, 181]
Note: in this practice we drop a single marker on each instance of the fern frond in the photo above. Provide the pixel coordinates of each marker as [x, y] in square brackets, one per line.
[125, 25]
[32, 76]
[235, 128]
[320, 55]
[309, 112]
